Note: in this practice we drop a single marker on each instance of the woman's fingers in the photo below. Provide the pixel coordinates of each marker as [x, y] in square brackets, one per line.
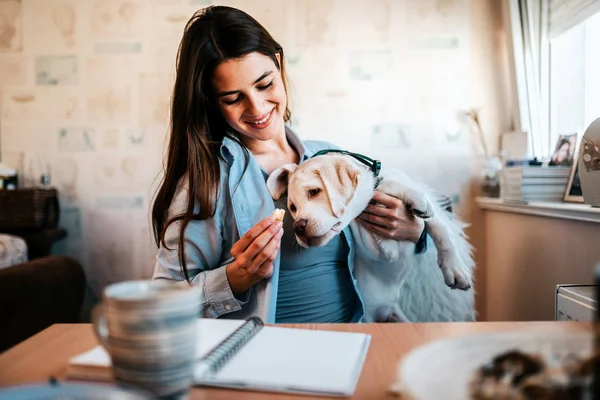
[254, 233]
[380, 211]
[254, 254]
[253, 248]
[266, 269]
[377, 228]
[404, 229]
[377, 220]
[267, 252]
[387, 200]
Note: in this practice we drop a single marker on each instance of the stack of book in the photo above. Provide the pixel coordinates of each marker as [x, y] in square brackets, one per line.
[527, 183]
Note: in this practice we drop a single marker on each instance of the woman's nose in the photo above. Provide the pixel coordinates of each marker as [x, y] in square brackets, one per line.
[254, 107]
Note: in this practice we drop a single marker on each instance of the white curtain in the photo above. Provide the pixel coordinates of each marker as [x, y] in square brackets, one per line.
[565, 14]
[531, 24]
[528, 34]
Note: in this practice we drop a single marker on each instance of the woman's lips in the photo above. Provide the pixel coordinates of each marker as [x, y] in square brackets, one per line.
[263, 122]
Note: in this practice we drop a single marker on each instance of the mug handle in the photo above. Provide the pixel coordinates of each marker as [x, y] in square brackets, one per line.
[100, 325]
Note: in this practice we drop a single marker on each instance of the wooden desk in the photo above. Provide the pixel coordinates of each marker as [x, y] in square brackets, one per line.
[45, 355]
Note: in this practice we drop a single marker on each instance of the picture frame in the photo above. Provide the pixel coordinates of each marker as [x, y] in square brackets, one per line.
[565, 153]
[573, 193]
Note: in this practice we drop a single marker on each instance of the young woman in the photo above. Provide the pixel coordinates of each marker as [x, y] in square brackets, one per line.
[212, 214]
[563, 154]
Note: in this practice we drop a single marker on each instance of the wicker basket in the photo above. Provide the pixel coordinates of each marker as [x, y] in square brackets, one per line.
[28, 209]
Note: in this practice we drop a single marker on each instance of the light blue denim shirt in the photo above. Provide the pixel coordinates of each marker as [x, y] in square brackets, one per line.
[208, 242]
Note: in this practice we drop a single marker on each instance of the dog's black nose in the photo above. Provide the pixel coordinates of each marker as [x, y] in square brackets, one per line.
[299, 227]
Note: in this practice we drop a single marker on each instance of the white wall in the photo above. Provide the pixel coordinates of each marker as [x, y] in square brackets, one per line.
[85, 88]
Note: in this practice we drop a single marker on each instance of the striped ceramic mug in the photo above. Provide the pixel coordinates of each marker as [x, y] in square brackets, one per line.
[149, 328]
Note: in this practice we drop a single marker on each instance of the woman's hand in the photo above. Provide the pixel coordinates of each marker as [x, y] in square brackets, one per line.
[254, 254]
[388, 216]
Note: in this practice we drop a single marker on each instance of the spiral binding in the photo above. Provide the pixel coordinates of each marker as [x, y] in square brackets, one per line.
[225, 350]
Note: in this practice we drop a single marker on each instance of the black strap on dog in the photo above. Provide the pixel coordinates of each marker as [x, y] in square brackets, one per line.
[374, 165]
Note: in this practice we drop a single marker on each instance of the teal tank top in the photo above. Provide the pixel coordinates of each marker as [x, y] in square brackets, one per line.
[315, 284]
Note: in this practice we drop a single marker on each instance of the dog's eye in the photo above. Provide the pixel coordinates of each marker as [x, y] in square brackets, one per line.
[313, 192]
[292, 208]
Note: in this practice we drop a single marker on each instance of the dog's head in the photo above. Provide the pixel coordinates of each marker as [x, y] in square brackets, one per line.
[319, 193]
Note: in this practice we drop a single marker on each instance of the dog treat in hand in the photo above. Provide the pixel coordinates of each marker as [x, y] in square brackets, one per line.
[279, 214]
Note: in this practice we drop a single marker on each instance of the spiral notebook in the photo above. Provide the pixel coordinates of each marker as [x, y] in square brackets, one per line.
[247, 355]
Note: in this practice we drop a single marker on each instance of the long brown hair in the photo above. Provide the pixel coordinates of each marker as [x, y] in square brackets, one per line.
[197, 127]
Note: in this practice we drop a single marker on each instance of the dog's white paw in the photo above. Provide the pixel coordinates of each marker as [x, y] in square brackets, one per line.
[453, 269]
[461, 281]
[420, 206]
[455, 278]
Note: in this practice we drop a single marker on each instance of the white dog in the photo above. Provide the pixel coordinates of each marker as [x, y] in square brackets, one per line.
[326, 193]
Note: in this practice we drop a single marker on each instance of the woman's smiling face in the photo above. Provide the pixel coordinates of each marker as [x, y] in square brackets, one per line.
[251, 96]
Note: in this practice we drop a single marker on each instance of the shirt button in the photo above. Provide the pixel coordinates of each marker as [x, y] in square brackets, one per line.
[228, 307]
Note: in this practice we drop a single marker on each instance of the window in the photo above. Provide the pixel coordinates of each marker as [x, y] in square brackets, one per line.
[575, 79]
[556, 68]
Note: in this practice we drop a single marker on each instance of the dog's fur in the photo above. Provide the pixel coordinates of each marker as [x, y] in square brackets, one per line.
[326, 194]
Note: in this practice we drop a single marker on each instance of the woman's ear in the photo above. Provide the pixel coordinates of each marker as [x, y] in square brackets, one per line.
[277, 182]
[278, 56]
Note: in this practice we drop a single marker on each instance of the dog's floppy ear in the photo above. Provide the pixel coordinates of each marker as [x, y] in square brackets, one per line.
[340, 180]
[277, 182]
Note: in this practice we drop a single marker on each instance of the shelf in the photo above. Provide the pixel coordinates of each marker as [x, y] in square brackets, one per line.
[572, 211]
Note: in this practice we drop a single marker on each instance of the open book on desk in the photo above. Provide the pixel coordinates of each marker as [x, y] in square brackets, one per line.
[273, 359]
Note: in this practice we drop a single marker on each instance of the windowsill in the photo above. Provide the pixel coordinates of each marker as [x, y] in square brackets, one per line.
[572, 211]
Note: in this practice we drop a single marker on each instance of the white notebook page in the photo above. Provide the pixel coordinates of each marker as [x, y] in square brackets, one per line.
[278, 359]
[297, 360]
